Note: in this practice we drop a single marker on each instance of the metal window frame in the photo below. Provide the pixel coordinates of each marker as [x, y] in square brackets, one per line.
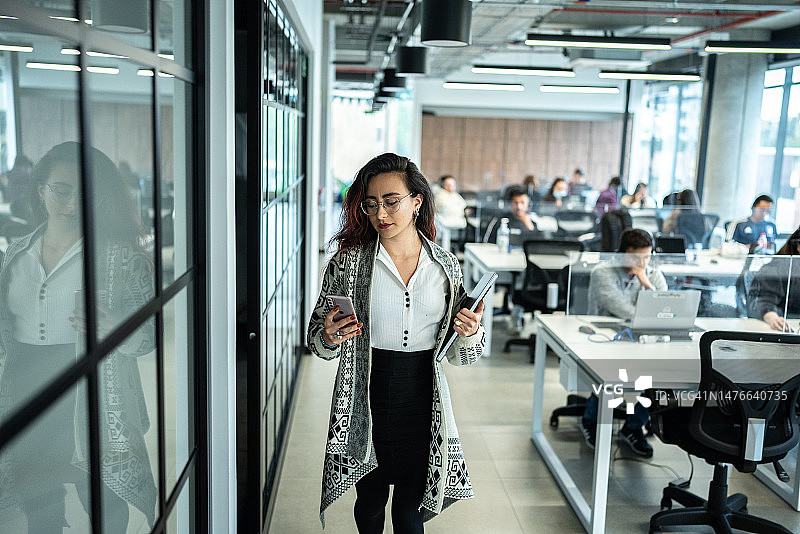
[193, 279]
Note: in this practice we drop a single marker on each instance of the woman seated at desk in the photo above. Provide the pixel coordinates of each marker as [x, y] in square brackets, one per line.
[766, 299]
[557, 193]
[613, 290]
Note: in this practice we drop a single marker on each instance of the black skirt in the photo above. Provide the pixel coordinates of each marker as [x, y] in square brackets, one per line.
[401, 395]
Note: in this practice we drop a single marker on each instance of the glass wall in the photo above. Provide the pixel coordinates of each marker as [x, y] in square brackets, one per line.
[667, 129]
[779, 152]
[100, 413]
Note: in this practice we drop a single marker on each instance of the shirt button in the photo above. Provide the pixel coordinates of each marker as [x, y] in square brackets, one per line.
[42, 338]
[405, 332]
[404, 344]
[41, 325]
[404, 338]
[42, 331]
[407, 305]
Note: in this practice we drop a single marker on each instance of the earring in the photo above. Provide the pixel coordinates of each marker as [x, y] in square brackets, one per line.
[416, 214]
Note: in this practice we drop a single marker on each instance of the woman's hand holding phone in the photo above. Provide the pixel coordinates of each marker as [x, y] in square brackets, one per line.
[337, 332]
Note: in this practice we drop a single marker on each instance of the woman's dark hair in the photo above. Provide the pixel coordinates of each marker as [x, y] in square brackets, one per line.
[444, 177]
[530, 179]
[688, 197]
[634, 238]
[792, 245]
[356, 228]
[549, 195]
[114, 211]
[639, 187]
[614, 182]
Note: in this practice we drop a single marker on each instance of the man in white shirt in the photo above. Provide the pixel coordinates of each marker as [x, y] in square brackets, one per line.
[449, 204]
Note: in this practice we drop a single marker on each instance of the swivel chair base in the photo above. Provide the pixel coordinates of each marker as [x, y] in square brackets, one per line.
[721, 511]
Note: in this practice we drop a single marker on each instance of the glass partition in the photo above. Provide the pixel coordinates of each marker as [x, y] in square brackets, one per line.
[749, 293]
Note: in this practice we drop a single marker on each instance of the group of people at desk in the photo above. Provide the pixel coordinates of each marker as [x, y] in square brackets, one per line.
[614, 288]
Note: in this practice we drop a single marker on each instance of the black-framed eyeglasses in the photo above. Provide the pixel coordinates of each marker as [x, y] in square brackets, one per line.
[391, 205]
[63, 193]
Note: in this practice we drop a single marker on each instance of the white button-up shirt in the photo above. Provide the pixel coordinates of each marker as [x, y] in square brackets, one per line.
[406, 317]
[41, 304]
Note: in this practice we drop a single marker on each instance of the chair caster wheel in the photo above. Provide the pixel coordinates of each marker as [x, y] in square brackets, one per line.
[554, 422]
[666, 504]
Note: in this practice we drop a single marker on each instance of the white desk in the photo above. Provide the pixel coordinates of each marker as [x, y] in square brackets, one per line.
[482, 257]
[598, 363]
[444, 230]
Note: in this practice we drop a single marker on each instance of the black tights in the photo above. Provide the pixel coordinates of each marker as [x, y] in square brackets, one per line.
[372, 494]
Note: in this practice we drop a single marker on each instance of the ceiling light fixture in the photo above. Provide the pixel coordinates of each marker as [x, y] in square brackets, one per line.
[76, 52]
[583, 89]
[16, 48]
[523, 71]
[149, 72]
[51, 66]
[103, 70]
[484, 86]
[446, 23]
[392, 82]
[667, 76]
[753, 47]
[411, 60]
[124, 16]
[585, 41]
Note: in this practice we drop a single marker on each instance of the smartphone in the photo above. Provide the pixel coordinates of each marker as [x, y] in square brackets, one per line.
[345, 304]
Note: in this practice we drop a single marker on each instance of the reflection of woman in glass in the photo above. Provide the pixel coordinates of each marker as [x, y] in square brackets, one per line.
[769, 290]
[42, 330]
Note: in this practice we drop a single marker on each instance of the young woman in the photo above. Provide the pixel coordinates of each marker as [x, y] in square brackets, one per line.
[557, 193]
[42, 333]
[391, 420]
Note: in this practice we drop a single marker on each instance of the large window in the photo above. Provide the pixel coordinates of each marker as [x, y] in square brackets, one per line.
[667, 132]
[101, 423]
[779, 151]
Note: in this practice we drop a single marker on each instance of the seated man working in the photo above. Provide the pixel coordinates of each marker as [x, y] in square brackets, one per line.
[747, 231]
[613, 290]
[520, 224]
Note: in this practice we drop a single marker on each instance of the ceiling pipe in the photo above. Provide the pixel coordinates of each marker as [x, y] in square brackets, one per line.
[716, 14]
[647, 4]
[374, 33]
[730, 25]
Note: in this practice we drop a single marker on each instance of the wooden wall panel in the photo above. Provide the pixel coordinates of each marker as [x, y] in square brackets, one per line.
[486, 153]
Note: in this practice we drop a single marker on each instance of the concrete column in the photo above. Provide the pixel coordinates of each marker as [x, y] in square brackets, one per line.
[734, 129]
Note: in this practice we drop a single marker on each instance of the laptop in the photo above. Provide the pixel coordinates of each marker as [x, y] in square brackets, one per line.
[661, 312]
[671, 245]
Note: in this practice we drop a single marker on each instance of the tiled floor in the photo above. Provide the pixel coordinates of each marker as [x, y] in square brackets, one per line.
[514, 490]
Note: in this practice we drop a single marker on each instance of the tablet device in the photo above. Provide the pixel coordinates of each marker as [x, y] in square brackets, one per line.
[476, 295]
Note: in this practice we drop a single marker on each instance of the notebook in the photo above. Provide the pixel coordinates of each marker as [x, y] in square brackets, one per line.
[475, 296]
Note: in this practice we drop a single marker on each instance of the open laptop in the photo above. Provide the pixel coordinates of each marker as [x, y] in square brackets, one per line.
[671, 245]
[661, 312]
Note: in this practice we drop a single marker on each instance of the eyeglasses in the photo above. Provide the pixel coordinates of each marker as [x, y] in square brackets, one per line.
[391, 205]
[63, 193]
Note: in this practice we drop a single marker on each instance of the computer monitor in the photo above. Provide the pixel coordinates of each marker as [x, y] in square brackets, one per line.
[671, 244]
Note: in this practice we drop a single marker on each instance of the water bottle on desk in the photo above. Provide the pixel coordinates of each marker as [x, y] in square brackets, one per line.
[503, 236]
[762, 244]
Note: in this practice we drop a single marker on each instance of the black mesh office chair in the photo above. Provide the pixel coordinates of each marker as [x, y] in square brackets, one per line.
[743, 415]
[574, 223]
[533, 294]
[710, 221]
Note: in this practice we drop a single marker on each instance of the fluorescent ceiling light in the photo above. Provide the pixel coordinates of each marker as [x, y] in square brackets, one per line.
[68, 19]
[149, 72]
[103, 70]
[753, 47]
[167, 56]
[585, 41]
[523, 71]
[16, 48]
[51, 66]
[585, 89]
[76, 52]
[484, 86]
[669, 76]
[7, 17]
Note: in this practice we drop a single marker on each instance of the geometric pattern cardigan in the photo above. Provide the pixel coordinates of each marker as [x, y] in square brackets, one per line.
[349, 451]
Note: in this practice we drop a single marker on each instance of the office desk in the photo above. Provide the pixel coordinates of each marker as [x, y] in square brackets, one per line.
[599, 363]
[445, 229]
[483, 257]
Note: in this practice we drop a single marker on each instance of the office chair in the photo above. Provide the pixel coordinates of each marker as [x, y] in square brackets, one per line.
[648, 221]
[743, 415]
[573, 223]
[612, 224]
[710, 220]
[533, 294]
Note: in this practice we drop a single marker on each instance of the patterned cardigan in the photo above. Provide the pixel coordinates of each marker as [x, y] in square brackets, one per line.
[349, 451]
[126, 273]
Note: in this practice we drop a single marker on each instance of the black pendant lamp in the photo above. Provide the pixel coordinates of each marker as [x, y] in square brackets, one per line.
[392, 82]
[124, 16]
[382, 96]
[411, 60]
[446, 23]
